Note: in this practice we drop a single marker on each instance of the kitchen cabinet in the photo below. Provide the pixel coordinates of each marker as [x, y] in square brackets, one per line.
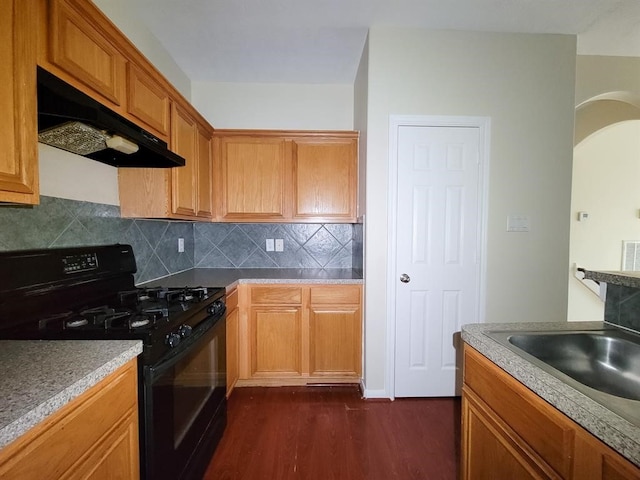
[299, 334]
[95, 436]
[335, 335]
[286, 176]
[181, 192]
[81, 43]
[276, 329]
[148, 101]
[325, 179]
[233, 315]
[509, 432]
[19, 181]
[253, 177]
[81, 46]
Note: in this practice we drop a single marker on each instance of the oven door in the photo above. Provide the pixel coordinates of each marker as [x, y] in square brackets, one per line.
[185, 406]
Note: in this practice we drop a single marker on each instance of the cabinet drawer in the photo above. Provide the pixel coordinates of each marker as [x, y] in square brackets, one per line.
[335, 294]
[547, 431]
[276, 295]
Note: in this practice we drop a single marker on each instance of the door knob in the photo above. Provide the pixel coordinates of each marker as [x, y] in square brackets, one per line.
[404, 278]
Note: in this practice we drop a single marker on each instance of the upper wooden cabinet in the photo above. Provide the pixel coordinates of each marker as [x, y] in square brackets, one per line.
[182, 192]
[148, 101]
[253, 178]
[18, 134]
[325, 178]
[184, 143]
[286, 176]
[80, 45]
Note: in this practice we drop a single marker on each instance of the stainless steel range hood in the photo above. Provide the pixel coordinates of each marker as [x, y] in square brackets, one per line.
[73, 121]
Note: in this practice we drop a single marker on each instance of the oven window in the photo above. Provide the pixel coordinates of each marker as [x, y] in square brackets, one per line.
[194, 380]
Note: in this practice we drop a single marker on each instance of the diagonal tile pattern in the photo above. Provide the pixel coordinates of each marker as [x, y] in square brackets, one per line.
[58, 222]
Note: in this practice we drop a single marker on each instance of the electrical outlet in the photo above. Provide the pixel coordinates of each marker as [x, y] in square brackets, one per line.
[269, 245]
[180, 245]
[279, 245]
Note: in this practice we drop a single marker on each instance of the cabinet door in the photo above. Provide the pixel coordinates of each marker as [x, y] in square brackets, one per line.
[93, 436]
[204, 173]
[80, 48]
[18, 124]
[233, 338]
[596, 461]
[232, 350]
[334, 341]
[254, 183]
[325, 179]
[487, 451]
[183, 142]
[276, 338]
[148, 101]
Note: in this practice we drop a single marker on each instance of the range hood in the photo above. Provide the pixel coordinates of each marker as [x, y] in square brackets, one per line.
[73, 121]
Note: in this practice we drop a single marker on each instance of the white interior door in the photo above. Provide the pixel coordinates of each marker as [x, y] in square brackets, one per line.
[438, 244]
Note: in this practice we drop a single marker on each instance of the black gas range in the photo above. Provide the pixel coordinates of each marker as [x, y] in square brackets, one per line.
[89, 293]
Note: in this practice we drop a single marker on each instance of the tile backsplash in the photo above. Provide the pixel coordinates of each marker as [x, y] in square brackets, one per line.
[58, 222]
[622, 306]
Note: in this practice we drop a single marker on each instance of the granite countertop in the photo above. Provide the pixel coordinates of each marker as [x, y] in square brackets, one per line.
[39, 377]
[620, 434]
[626, 279]
[230, 277]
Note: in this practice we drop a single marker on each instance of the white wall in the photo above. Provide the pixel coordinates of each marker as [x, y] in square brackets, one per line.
[605, 172]
[66, 175]
[275, 106]
[598, 75]
[360, 117]
[525, 83]
[606, 169]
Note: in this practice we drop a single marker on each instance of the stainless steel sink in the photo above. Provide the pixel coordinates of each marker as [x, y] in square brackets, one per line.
[602, 364]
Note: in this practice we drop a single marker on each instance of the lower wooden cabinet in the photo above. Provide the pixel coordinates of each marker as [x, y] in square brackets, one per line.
[233, 315]
[95, 436]
[300, 334]
[335, 332]
[509, 432]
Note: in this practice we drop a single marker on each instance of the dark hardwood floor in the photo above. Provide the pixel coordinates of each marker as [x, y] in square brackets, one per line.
[330, 432]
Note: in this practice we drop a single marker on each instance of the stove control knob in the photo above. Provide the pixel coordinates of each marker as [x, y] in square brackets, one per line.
[216, 308]
[173, 339]
[184, 330]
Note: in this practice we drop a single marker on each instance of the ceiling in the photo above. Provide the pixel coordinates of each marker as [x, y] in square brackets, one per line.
[321, 41]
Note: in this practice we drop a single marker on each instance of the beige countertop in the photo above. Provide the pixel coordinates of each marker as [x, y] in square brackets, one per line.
[229, 277]
[39, 376]
[620, 434]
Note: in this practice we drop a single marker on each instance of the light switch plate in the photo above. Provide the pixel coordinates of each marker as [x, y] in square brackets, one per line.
[180, 245]
[269, 246]
[518, 223]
